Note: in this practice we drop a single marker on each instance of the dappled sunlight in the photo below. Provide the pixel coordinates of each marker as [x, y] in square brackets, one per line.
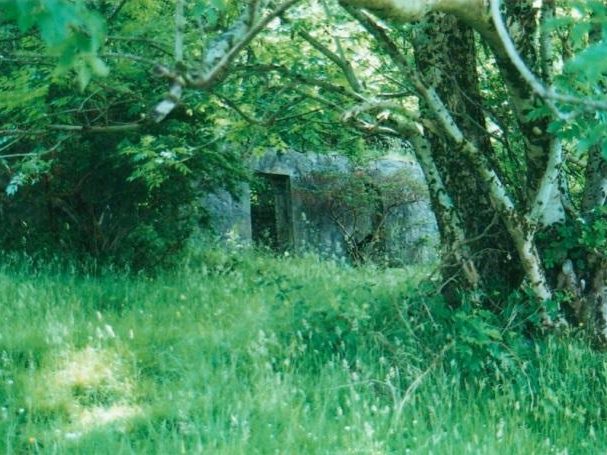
[95, 370]
[92, 418]
[92, 388]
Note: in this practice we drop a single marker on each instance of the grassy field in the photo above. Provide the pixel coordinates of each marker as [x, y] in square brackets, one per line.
[236, 353]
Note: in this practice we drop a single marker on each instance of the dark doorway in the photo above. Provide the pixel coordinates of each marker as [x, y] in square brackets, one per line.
[271, 216]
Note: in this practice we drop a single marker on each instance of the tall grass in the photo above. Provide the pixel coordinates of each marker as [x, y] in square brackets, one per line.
[245, 353]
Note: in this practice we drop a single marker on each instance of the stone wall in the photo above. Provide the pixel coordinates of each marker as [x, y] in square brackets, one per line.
[318, 223]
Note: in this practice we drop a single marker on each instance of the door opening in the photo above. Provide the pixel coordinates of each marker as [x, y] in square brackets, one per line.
[271, 213]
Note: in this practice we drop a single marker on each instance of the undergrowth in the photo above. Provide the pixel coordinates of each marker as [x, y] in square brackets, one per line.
[241, 352]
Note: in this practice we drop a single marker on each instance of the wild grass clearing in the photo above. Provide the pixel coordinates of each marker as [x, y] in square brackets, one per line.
[247, 353]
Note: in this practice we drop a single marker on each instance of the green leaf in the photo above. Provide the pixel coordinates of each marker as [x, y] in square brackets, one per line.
[27, 14]
[591, 62]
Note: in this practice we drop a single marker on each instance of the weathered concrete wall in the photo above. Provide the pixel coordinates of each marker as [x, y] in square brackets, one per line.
[410, 231]
[312, 229]
[230, 217]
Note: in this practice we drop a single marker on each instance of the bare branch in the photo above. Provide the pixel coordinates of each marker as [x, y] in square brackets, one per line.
[232, 105]
[391, 107]
[393, 95]
[382, 38]
[50, 150]
[320, 99]
[220, 64]
[303, 79]
[127, 56]
[9, 145]
[97, 129]
[413, 10]
[116, 11]
[73, 128]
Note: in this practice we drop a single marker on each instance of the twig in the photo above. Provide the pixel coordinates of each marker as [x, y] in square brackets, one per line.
[10, 144]
[218, 57]
[339, 60]
[302, 79]
[52, 149]
[116, 11]
[73, 128]
[205, 80]
[147, 41]
[232, 105]
[127, 56]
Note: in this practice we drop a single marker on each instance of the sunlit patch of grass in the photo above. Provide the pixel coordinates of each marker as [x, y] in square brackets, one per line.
[90, 388]
[92, 370]
[98, 416]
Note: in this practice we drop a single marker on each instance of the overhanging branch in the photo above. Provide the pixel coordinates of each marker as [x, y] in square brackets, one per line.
[549, 94]
[218, 56]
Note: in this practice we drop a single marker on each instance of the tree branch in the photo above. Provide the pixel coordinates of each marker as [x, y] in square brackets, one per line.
[549, 185]
[116, 11]
[340, 61]
[550, 95]
[127, 56]
[147, 41]
[218, 56]
[232, 105]
[73, 128]
[414, 10]
[411, 115]
[307, 80]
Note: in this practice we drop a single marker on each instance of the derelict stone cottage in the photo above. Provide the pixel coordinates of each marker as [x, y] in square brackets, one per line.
[327, 204]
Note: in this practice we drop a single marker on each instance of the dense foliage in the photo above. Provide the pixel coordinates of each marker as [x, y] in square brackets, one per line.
[82, 172]
[502, 102]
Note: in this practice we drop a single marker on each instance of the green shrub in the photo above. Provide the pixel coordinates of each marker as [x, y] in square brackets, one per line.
[126, 201]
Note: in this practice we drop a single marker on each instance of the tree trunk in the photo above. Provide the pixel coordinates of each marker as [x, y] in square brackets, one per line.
[446, 58]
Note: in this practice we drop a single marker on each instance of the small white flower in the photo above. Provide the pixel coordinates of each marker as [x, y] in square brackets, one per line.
[499, 434]
[71, 436]
[110, 331]
[369, 430]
